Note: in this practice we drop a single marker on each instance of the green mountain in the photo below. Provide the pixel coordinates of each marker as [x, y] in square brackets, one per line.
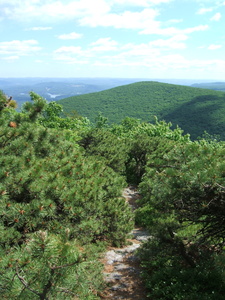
[195, 110]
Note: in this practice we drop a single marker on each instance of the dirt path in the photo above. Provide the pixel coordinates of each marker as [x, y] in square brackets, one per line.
[121, 265]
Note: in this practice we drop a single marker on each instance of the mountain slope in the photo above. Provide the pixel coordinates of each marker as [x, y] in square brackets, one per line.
[194, 110]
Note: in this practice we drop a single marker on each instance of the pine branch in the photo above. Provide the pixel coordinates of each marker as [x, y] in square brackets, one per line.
[4, 143]
[67, 291]
[181, 248]
[64, 266]
[43, 295]
[162, 166]
[221, 186]
[25, 284]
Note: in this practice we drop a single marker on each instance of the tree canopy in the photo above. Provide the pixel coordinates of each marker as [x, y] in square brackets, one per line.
[61, 181]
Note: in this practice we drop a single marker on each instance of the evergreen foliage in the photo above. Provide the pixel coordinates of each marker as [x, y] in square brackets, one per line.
[195, 110]
[182, 206]
[55, 201]
[6, 102]
[61, 181]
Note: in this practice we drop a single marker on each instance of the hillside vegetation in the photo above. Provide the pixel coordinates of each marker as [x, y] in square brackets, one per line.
[194, 110]
[61, 181]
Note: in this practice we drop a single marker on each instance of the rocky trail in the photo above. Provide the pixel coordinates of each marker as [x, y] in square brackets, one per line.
[121, 265]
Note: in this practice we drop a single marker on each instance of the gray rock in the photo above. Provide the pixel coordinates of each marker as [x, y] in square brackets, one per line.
[112, 276]
[119, 287]
[121, 266]
[111, 257]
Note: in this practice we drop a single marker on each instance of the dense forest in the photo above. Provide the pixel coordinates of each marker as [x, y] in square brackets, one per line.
[61, 181]
[195, 110]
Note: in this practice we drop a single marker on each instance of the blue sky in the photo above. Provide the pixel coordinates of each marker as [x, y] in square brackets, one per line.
[113, 38]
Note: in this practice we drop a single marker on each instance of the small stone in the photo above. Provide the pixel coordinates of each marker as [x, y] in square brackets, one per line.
[119, 287]
[112, 256]
[112, 276]
[143, 238]
[121, 267]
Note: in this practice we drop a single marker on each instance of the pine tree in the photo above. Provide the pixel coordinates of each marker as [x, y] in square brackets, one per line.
[57, 206]
[183, 208]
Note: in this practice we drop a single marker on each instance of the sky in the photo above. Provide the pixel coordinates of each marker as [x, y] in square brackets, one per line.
[113, 38]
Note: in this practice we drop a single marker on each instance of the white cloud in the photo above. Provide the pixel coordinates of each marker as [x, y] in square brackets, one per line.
[69, 50]
[214, 47]
[156, 63]
[202, 11]
[71, 55]
[40, 28]
[19, 48]
[175, 21]
[152, 54]
[176, 42]
[104, 44]
[127, 19]
[196, 28]
[51, 9]
[155, 53]
[144, 21]
[70, 36]
[19, 8]
[70, 59]
[10, 58]
[140, 3]
[133, 52]
[216, 17]
[173, 30]
[97, 13]
[75, 54]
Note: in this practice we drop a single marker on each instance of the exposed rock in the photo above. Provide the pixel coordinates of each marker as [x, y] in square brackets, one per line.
[122, 269]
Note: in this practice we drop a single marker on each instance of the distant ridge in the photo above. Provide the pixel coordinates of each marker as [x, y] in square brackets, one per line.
[217, 86]
[195, 110]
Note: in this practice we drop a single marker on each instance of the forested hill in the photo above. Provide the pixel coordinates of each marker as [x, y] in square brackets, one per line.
[195, 110]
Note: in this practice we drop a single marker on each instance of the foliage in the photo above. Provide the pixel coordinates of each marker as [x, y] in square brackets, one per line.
[101, 143]
[195, 110]
[191, 183]
[6, 102]
[141, 140]
[49, 187]
[49, 266]
[34, 108]
[60, 196]
[125, 146]
[52, 118]
[182, 207]
[167, 277]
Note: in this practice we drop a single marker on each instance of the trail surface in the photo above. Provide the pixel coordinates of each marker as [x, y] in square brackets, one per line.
[121, 265]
